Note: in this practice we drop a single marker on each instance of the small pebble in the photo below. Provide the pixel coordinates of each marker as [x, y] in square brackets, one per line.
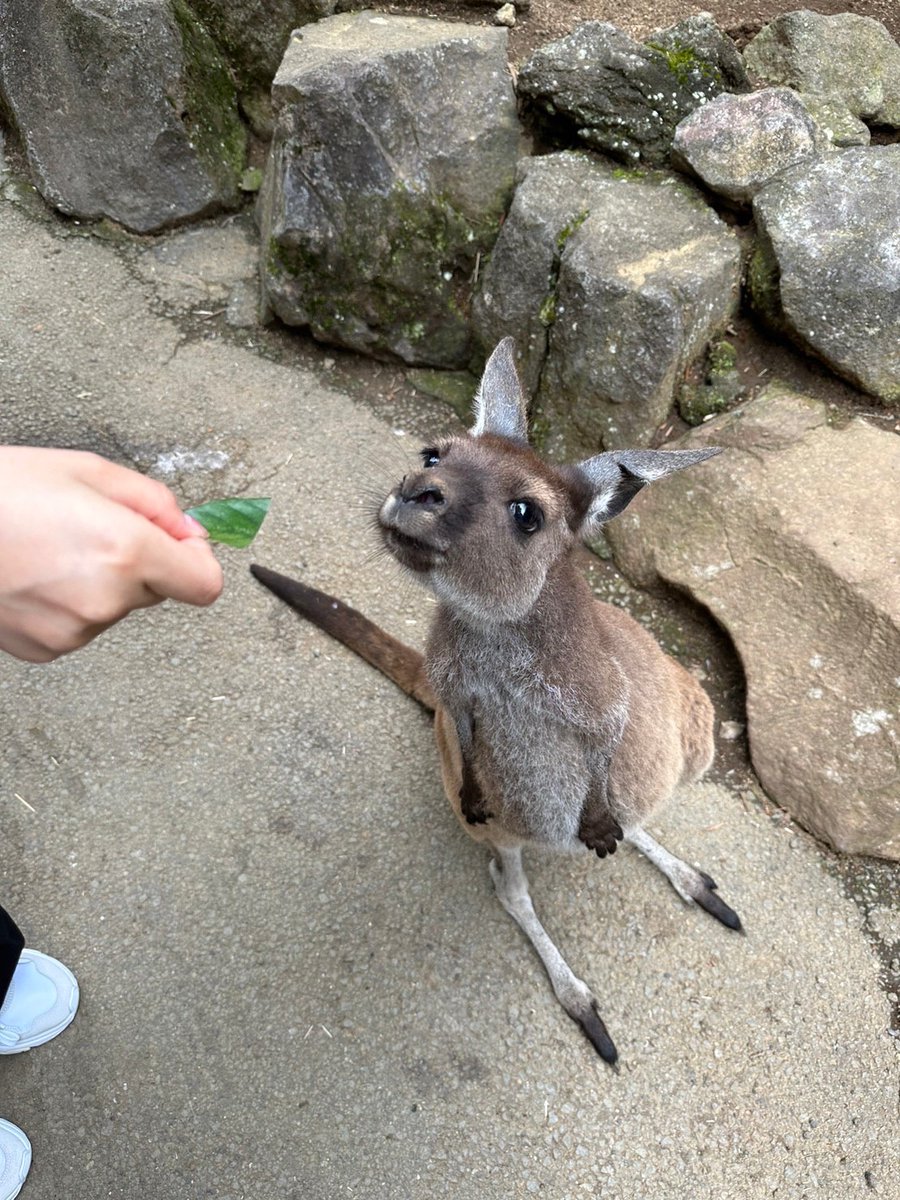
[730, 731]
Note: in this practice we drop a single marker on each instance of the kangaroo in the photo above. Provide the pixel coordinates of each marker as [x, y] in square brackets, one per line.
[559, 720]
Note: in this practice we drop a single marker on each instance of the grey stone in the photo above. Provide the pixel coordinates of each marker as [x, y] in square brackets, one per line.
[736, 144]
[835, 123]
[827, 267]
[391, 168]
[611, 282]
[253, 36]
[611, 93]
[848, 59]
[124, 107]
[697, 42]
[811, 604]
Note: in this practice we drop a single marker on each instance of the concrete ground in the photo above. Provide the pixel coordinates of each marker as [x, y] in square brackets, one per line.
[296, 982]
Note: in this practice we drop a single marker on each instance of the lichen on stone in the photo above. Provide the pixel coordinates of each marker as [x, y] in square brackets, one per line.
[208, 104]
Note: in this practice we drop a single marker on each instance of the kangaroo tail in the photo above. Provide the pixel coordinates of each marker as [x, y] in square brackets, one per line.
[400, 663]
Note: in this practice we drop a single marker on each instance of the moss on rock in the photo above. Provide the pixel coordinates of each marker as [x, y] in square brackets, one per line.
[208, 104]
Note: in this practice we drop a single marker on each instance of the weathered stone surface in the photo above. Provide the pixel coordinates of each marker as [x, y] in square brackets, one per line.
[791, 538]
[391, 168]
[697, 43]
[835, 123]
[610, 282]
[736, 144]
[599, 86]
[848, 59]
[125, 109]
[253, 36]
[827, 267]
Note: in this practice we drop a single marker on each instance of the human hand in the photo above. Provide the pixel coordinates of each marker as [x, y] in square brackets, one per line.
[83, 542]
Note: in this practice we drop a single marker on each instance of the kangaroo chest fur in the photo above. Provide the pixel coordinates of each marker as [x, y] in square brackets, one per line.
[537, 742]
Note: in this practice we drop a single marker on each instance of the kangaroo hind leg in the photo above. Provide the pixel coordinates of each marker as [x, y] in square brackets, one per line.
[696, 887]
[511, 886]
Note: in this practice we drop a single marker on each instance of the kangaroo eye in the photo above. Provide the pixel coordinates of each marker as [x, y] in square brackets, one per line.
[430, 458]
[527, 516]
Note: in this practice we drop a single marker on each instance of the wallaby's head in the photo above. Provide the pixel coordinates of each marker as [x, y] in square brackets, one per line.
[484, 519]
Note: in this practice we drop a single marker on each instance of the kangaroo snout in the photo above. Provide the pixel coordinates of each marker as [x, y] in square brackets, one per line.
[416, 490]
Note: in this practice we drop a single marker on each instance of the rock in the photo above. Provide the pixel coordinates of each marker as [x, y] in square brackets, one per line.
[124, 107]
[599, 87]
[811, 604]
[697, 42]
[505, 15]
[736, 144]
[393, 162]
[253, 36]
[844, 58]
[611, 282]
[720, 389]
[835, 123]
[824, 270]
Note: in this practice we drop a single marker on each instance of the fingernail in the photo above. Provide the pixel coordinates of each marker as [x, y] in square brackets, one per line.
[194, 527]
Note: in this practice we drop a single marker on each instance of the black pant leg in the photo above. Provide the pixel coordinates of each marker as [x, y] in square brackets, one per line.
[11, 943]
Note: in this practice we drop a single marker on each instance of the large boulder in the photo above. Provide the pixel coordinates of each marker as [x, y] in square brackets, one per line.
[736, 144]
[392, 165]
[611, 282]
[791, 539]
[850, 60]
[826, 269]
[125, 109]
[253, 35]
[599, 87]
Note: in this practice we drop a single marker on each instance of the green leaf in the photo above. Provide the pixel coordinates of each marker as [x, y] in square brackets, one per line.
[235, 522]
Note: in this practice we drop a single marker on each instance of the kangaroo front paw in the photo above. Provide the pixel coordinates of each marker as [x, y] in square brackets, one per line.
[600, 833]
[471, 803]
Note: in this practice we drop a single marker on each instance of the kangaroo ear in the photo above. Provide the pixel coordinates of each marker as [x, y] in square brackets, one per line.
[500, 404]
[618, 476]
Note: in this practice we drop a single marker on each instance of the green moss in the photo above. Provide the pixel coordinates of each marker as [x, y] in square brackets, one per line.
[721, 360]
[208, 106]
[719, 391]
[400, 265]
[632, 174]
[547, 311]
[456, 388]
[685, 63]
[251, 180]
[568, 229]
[763, 282]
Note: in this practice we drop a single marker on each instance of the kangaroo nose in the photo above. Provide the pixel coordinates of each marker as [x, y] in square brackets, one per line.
[414, 491]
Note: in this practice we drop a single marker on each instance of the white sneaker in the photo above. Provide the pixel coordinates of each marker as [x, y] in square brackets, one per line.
[41, 1001]
[15, 1159]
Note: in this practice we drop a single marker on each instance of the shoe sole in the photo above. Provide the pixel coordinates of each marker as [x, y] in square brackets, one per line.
[74, 998]
[25, 1166]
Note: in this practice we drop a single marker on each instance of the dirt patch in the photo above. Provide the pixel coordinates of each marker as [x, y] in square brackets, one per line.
[547, 20]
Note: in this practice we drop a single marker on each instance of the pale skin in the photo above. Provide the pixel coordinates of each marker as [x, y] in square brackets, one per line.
[84, 542]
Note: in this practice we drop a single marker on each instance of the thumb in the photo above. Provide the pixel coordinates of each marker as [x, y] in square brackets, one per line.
[185, 569]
